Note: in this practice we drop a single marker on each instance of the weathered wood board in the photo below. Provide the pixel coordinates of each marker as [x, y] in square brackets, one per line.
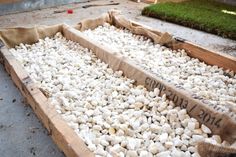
[224, 61]
[64, 136]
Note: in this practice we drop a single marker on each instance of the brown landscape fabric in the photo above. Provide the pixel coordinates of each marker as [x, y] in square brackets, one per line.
[219, 123]
[115, 18]
[210, 150]
[14, 36]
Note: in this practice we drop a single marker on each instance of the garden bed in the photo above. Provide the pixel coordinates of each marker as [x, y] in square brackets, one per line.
[71, 80]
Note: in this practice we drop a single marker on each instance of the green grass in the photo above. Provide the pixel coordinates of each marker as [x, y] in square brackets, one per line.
[204, 15]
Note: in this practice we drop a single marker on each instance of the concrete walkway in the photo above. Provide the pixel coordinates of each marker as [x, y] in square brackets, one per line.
[21, 133]
[130, 9]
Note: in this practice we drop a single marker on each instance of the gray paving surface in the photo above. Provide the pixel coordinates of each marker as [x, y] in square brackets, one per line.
[130, 9]
[29, 5]
[21, 133]
[206, 40]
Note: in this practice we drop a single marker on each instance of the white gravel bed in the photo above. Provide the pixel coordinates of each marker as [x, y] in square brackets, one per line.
[113, 116]
[210, 84]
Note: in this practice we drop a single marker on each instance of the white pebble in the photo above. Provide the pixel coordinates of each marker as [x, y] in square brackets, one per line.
[163, 137]
[205, 129]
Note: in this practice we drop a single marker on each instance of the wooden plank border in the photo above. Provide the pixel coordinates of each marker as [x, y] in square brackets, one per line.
[64, 136]
[222, 60]
[209, 57]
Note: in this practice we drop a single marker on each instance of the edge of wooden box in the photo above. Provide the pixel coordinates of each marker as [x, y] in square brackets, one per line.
[64, 136]
[193, 50]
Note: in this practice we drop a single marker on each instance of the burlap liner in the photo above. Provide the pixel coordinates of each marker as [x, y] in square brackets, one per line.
[219, 123]
[210, 150]
[115, 18]
[14, 36]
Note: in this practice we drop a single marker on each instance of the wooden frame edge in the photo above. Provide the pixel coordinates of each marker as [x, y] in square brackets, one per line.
[64, 136]
[195, 51]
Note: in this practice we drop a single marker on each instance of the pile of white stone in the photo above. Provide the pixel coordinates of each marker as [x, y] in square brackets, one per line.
[112, 116]
[210, 84]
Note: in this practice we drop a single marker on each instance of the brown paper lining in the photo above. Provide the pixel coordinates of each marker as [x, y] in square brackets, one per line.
[14, 36]
[210, 150]
[116, 19]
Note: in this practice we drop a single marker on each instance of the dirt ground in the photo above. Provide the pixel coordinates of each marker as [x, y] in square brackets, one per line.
[21, 134]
